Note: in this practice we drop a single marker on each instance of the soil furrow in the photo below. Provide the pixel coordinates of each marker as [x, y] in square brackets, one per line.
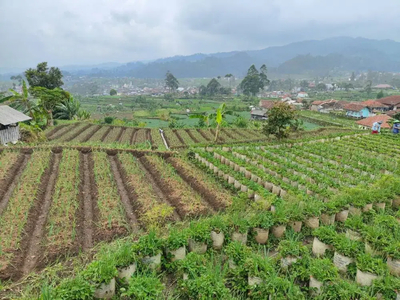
[160, 194]
[179, 137]
[220, 138]
[59, 133]
[105, 134]
[133, 137]
[123, 192]
[86, 199]
[38, 216]
[207, 195]
[238, 132]
[228, 134]
[55, 130]
[90, 134]
[78, 133]
[191, 136]
[148, 137]
[121, 133]
[203, 135]
[8, 184]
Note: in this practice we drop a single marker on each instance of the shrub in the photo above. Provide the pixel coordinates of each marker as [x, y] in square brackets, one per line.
[74, 288]
[325, 234]
[100, 271]
[109, 120]
[323, 270]
[292, 248]
[347, 247]
[148, 245]
[367, 263]
[144, 287]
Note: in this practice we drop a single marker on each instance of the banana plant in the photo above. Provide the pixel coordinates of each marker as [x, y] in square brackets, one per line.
[21, 100]
[219, 117]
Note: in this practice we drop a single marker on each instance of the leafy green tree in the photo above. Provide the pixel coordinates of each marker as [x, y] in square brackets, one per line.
[380, 95]
[213, 87]
[368, 88]
[304, 84]
[321, 87]
[171, 82]
[49, 99]
[203, 90]
[113, 92]
[229, 77]
[280, 118]
[169, 97]
[254, 80]
[203, 118]
[44, 77]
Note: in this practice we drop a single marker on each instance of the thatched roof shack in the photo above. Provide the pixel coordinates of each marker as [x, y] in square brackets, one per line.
[9, 119]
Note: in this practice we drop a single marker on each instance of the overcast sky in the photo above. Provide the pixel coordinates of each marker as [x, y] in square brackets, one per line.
[65, 32]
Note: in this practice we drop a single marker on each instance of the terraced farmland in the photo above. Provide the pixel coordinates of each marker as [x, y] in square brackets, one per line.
[60, 201]
[87, 134]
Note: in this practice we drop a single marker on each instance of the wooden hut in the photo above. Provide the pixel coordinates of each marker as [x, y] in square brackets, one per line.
[9, 119]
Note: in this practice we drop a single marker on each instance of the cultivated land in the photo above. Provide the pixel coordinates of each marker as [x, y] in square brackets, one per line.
[304, 219]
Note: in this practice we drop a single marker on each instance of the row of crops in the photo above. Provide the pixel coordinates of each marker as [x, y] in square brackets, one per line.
[327, 119]
[54, 203]
[257, 254]
[84, 133]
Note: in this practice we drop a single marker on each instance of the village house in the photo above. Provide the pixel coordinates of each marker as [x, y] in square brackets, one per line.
[9, 129]
[368, 122]
[383, 86]
[258, 114]
[391, 102]
[266, 104]
[356, 110]
[302, 95]
[375, 106]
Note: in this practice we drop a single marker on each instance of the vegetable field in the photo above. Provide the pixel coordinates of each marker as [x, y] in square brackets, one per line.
[58, 202]
[87, 134]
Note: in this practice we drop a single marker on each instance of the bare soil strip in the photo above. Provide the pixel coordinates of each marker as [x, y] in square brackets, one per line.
[8, 184]
[203, 135]
[121, 133]
[160, 194]
[126, 197]
[133, 137]
[90, 133]
[86, 199]
[78, 133]
[148, 136]
[208, 196]
[179, 137]
[32, 242]
[228, 134]
[191, 136]
[105, 134]
[63, 130]
[54, 131]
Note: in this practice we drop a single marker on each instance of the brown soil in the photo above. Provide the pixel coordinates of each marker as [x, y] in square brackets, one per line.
[133, 137]
[179, 137]
[203, 135]
[86, 200]
[105, 134]
[90, 133]
[228, 134]
[35, 228]
[207, 195]
[148, 136]
[80, 131]
[120, 134]
[220, 138]
[8, 184]
[55, 130]
[126, 198]
[160, 194]
[59, 133]
[191, 136]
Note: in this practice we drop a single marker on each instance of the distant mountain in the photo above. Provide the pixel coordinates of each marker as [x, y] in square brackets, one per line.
[311, 57]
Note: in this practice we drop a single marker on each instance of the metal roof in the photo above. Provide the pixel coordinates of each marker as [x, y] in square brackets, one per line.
[258, 112]
[10, 115]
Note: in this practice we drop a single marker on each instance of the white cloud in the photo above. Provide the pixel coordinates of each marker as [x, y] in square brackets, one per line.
[94, 31]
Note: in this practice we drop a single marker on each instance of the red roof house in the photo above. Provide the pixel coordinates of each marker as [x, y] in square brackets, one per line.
[268, 104]
[368, 122]
[393, 102]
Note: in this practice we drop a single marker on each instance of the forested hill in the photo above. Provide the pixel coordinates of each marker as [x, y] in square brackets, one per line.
[311, 57]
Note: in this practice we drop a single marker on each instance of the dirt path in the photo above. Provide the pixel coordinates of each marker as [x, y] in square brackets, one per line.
[160, 194]
[105, 134]
[42, 208]
[85, 218]
[123, 192]
[192, 136]
[8, 185]
[79, 132]
[121, 133]
[203, 135]
[133, 137]
[90, 134]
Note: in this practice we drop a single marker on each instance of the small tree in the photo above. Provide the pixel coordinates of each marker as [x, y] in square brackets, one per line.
[22, 100]
[219, 117]
[213, 87]
[380, 95]
[171, 82]
[254, 80]
[280, 118]
[44, 77]
[113, 92]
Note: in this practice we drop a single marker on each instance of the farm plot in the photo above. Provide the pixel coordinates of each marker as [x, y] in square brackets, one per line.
[58, 202]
